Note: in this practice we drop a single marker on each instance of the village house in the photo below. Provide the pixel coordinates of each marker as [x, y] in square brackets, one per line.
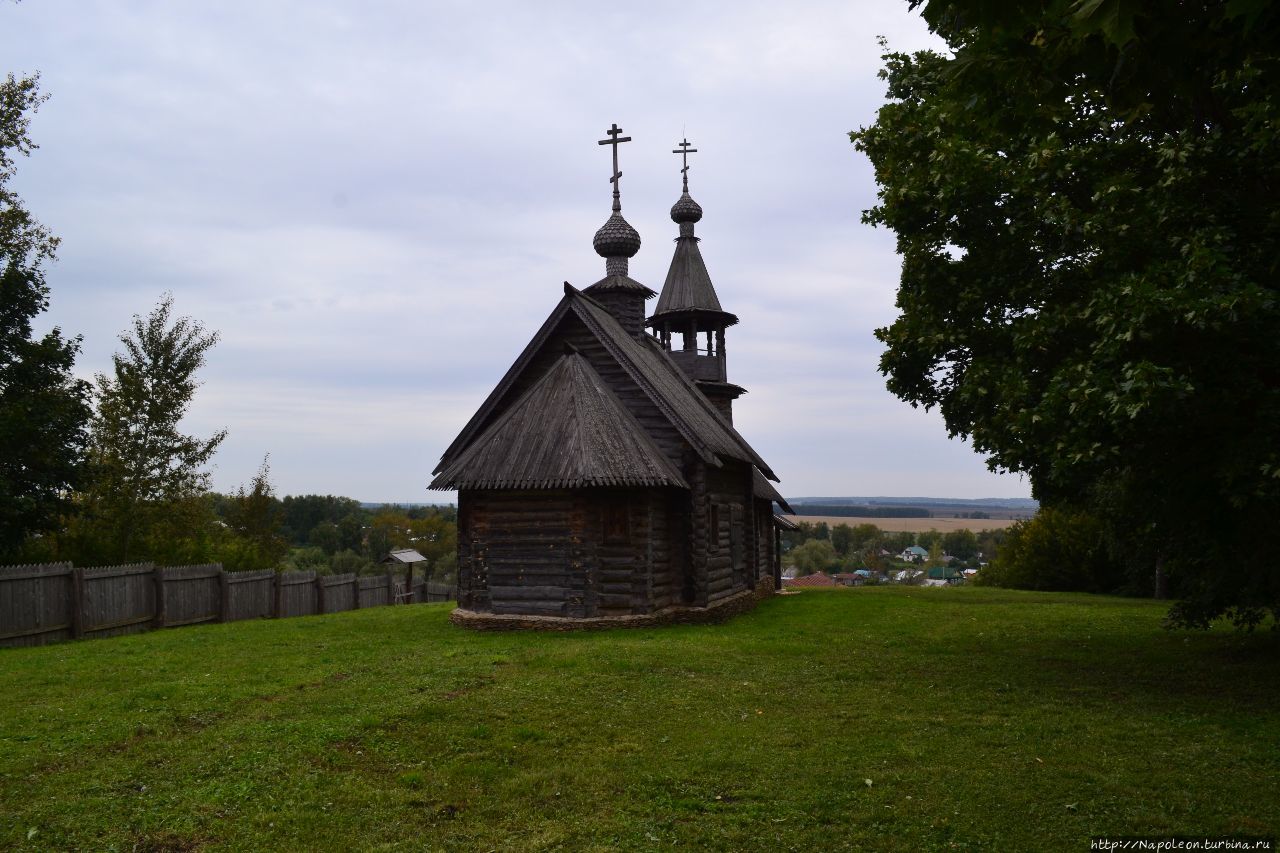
[603, 479]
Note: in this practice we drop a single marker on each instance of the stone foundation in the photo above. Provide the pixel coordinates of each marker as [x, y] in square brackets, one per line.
[721, 610]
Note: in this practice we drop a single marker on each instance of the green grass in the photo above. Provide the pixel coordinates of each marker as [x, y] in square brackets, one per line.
[887, 718]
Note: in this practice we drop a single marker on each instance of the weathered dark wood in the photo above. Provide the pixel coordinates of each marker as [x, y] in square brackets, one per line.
[117, 599]
[58, 571]
[594, 416]
[249, 595]
[336, 593]
[195, 620]
[34, 632]
[35, 604]
[188, 594]
[224, 598]
[76, 603]
[161, 609]
[57, 601]
[298, 594]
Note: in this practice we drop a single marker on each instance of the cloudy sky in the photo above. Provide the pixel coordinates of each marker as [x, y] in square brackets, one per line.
[375, 204]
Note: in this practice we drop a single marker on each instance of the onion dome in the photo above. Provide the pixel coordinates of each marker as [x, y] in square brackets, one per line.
[616, 238]
[686, 209]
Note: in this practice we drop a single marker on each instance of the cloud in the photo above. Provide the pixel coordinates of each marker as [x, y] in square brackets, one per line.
[376, 207]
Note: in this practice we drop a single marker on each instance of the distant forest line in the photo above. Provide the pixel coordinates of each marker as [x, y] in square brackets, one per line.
[863, 511]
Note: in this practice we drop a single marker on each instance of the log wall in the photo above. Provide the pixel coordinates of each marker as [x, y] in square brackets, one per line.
[546, 552]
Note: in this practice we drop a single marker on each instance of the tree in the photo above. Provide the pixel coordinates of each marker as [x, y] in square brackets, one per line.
[1083, 197]
[961, 544]
[896, 543]
[816, 555]
[44, 409]
[325, 536]
[867, 537]
[842, 539]
[143, 465]
[254, 515]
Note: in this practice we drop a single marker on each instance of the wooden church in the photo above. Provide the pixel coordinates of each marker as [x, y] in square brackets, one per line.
[602, 481]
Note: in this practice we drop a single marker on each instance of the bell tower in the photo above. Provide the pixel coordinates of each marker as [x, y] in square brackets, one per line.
[688, 318]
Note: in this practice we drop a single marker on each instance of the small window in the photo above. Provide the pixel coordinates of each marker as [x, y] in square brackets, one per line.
[617, 523]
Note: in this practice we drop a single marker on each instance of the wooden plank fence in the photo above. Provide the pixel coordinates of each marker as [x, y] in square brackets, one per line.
[50, 602]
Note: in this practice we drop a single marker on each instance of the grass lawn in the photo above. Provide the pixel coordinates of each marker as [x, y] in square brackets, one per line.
[883, 718]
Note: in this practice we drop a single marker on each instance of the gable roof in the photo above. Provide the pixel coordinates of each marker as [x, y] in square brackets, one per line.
[404, 555]
[688, 286]
[567, 431]
[648, 365]
[815, 579]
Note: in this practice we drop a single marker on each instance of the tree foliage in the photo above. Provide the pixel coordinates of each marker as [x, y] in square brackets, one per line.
[1056, 550]
[1084, 201]
[144, 467]
[816, 555]
[43, 408]
[255, 516]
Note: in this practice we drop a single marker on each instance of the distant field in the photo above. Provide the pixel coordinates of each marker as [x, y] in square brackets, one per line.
[887, 718]
[913, 525]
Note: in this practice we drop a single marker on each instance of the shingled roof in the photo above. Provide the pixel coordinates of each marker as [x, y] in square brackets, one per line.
[764, 489]
[666, 385]
[567, 431]
[688, 287]
[619, 282]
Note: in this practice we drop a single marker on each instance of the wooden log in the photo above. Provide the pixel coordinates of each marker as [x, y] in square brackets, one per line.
[528, 593]
[547, 608]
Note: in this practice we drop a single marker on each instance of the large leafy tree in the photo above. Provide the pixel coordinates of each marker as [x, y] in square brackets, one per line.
[149, 477]
[1084, 196]
[43, 407]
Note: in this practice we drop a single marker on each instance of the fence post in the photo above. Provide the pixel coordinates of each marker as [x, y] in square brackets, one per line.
[319, 593]
[391, 587]
[356, 582]
[77, 603]
[160, 608]
[277, 595]
[224, 596]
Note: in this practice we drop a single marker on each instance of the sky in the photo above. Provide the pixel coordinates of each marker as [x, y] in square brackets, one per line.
[376, 204]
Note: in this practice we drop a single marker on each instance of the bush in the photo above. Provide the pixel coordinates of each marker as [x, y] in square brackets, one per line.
[1057, 550]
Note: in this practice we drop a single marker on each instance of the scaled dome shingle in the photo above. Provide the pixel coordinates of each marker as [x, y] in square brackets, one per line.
[616, 239]
[686, 209]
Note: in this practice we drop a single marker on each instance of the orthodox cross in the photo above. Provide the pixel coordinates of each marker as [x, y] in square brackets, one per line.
[684, 151]
[615, 141]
